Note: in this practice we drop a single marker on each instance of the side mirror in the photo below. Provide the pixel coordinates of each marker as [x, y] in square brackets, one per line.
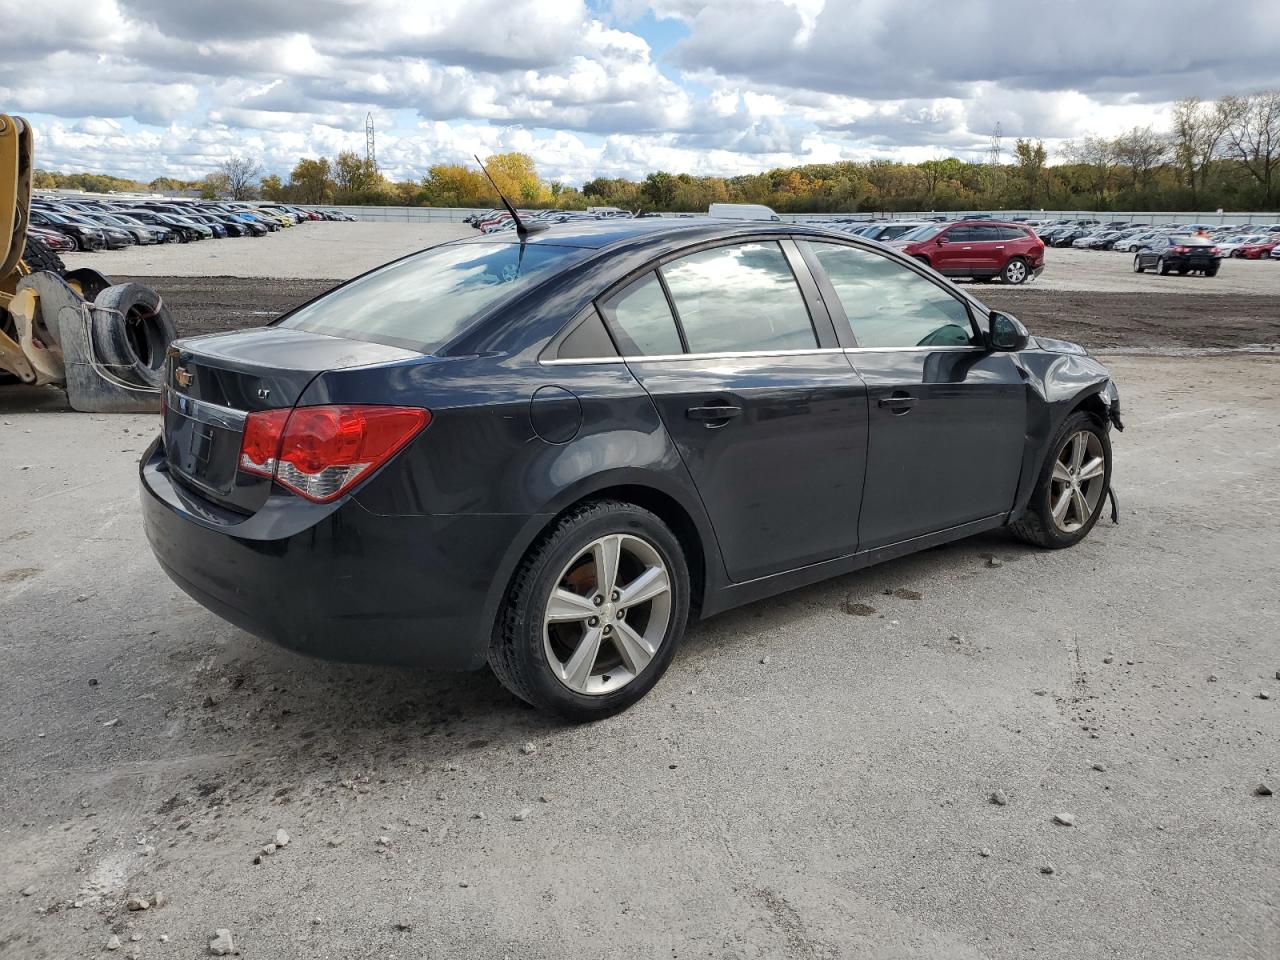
[941, 240]
[1006, 333]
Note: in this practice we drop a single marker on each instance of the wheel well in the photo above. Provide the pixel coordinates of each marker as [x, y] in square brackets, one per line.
[670, 512]
[1094, 405]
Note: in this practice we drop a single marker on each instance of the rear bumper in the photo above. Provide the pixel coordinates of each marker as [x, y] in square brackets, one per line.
[335, 581]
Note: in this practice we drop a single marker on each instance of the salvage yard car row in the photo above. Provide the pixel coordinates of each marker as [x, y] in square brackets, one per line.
[87, 224]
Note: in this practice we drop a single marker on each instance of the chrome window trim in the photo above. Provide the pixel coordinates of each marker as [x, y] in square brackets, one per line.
[748, 354]
[942, 348]
[728, 355]
[228, 418]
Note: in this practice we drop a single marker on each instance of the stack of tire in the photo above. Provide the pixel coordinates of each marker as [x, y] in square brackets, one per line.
[130, 329]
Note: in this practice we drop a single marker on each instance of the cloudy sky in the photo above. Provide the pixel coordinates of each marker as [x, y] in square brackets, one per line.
[610, 87]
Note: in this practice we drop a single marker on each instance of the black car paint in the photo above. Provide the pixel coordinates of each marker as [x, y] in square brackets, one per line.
[1200, 254]
[412, 566]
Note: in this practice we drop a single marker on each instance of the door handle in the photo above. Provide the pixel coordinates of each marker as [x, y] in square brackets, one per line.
[716, 415]
[898, 403]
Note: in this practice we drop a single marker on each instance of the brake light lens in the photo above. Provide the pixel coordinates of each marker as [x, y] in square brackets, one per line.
[321, 452]
[1179, 250]
[260, 445]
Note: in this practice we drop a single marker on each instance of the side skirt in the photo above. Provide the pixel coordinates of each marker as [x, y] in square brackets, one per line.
[737, 594]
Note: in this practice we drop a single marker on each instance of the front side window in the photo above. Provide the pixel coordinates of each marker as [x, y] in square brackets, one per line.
[739, 298]
[425, 300]
[641, 320]
[890, 305]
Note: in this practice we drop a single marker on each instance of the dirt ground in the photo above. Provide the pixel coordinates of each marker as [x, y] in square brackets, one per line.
[806, 782]
[1097, 320]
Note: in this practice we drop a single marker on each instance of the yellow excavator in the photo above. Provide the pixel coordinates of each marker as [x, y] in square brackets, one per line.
[103, 343]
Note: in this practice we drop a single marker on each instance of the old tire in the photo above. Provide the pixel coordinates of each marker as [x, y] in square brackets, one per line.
[38, 257]
[131, 332]
[1041, 524]
[1015, 272]
[574, 635]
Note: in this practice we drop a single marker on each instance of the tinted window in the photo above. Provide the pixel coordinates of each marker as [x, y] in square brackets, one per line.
[889, 305]
[961, 235]
[739, 298]
[1011, 233]
[424, 301]
[987, 234]
[641, 320]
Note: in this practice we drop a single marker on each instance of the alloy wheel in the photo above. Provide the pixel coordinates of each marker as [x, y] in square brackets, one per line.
[607, 615]
[1016, 272]
[1077, 485]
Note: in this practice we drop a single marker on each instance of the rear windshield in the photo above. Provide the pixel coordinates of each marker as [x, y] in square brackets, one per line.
[422, 302]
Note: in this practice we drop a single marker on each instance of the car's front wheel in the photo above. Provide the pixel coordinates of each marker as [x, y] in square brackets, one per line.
[1072, 488]
[594, 612]
[1015, 271]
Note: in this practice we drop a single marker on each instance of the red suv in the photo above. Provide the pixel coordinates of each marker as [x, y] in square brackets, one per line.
[980, 249]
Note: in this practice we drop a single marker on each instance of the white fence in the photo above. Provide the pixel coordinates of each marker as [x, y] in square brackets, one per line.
[458, 214]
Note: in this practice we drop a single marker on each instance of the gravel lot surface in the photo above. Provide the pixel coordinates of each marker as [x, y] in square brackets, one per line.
[341, 250]
[832, 800]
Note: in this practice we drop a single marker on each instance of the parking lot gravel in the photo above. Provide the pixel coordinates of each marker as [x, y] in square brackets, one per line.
[813, 777]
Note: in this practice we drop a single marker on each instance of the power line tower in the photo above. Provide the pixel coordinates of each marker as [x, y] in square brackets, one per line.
[370, 152]
[994, 151]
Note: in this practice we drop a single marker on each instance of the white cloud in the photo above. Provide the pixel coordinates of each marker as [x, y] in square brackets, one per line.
[157, 86]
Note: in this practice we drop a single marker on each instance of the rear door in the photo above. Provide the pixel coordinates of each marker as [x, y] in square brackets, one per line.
[987, 253]
[756, 394]
[947, 417]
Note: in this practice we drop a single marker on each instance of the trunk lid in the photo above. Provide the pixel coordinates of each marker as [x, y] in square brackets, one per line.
[213, 383]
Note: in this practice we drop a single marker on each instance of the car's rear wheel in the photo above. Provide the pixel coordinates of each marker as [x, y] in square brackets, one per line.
[1137, 264]
[1211, 271]
[1072, 488]
[594, 612]
[1161, 267]
[1015, 271]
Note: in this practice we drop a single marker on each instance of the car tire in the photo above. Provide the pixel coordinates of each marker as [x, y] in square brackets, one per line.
[1161, 267]
[38, 257]
[1211, 272]
[1015, 272]
[921, 259]
[1039, 525]
[131, 332]
[1137, 264]
[539, 655]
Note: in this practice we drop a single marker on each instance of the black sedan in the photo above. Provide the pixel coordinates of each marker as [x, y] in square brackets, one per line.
[1179, 253]
[551, 453]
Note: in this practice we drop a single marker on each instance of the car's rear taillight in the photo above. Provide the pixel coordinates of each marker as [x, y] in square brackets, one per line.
[1215, 251]
[1179, 250]
[260, 445]
[321, 452]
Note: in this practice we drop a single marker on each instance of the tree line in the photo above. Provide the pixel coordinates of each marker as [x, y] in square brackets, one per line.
[1218, 154]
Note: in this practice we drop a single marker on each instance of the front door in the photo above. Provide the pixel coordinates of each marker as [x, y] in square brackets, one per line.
[947, 416]
[770, 421]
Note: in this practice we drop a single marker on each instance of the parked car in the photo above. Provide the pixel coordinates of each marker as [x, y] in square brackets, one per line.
[58, 242]
[86, 237]
[551, 453]
[1138, 241]
[1257, 251]
[884, 232]
[982, 250]
[1230, 246]
[1181, 253]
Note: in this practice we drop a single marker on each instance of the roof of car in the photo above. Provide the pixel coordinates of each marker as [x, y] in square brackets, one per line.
[598, 234]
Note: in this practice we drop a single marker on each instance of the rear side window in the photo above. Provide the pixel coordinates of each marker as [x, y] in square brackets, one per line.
[890, 305]
[424, 301]
[739, 298]
[641, 320]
